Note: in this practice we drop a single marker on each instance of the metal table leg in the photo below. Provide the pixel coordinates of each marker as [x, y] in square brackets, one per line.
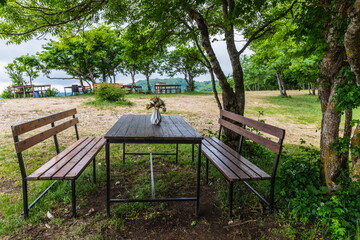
[198, 182]
[107, 156]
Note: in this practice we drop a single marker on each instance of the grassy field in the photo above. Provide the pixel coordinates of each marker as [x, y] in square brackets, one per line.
[299, 114]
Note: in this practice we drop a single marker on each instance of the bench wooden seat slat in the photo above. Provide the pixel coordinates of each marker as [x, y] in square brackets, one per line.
[77, 152]
[58, 161]
[230, 175]
[80, 167]
[31, 141]
[248, 167]
[83, 155]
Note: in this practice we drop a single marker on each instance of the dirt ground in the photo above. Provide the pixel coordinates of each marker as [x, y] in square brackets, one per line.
[200, 112]
[175, 220]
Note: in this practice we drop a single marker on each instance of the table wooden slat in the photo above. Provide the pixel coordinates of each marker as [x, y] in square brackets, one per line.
[139, 127]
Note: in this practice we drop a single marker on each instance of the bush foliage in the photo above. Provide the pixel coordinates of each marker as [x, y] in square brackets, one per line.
[306, 200]
[108, 92]
[6, 94]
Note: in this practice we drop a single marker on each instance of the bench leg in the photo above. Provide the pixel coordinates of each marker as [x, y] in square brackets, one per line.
[123, 153]
[272, 189]
[193, 153]
[177, 153]
[73, 196]
[231, 189]
[94, 170]
[25, 198]
[207, 171]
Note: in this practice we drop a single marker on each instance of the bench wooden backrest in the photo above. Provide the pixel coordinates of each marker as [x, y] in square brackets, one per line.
[262, 127]
[40, 122]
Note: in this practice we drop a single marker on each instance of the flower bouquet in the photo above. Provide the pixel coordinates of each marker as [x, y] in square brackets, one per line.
[157, 104]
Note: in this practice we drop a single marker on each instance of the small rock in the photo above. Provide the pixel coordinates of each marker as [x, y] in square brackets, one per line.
[49, 215]
[92, 210]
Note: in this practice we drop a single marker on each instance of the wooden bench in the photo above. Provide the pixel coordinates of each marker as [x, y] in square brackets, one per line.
[235, 167]
[66, 165]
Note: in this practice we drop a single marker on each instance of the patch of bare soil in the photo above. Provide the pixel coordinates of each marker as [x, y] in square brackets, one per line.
[174, 220]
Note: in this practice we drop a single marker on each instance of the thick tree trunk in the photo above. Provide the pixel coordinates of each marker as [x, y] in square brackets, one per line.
[237, 71]
[355, 157]
[332, 62]
[352, 40]
[191, 85]
[231, 101]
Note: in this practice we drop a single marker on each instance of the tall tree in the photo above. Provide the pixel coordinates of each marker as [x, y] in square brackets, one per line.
[15, 74]
[88, 56]
[24, 65]
[185, 60]
[142, 53]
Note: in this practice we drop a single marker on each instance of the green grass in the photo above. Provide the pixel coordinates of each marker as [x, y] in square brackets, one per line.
[302, 109]
[142, 95]
[108, 104]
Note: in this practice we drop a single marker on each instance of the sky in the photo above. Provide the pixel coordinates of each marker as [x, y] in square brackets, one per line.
[9, 52]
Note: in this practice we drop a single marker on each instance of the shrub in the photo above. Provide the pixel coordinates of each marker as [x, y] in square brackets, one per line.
[51, 92]
[6, 94]
[108, 92]
[308, 201]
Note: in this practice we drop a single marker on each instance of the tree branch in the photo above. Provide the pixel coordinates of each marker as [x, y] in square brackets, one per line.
[263, 29]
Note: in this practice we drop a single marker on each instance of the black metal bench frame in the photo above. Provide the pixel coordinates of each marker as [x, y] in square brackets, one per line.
[235, 167]
[20, 145]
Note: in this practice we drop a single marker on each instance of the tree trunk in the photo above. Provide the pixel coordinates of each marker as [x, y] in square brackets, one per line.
[352, 40]
[82, 85]
[213, 84]
[207, 64]
[346, 136]
[355, 155]
[191, 85]
[147, 75]
[231, 101]
[332, 62]
[104, 77]
[133, 85]
[237, 71]
[281, 83]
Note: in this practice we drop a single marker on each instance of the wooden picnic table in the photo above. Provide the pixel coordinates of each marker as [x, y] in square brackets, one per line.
[163, 88]
[138, 129]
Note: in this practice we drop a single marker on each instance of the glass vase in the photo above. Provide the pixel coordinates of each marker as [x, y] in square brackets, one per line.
[155, 117]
